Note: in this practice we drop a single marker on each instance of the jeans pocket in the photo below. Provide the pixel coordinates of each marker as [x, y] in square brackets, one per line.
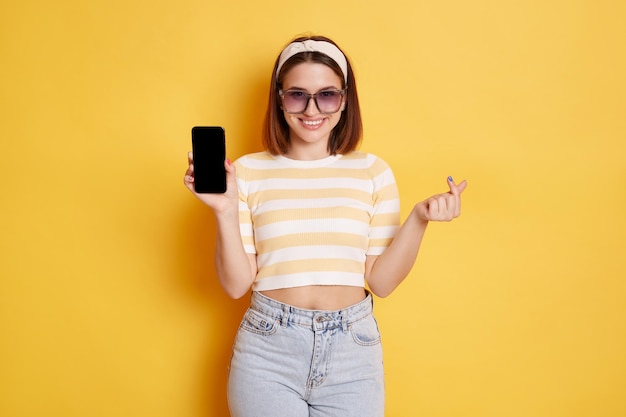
[365, 332]
[258, 323]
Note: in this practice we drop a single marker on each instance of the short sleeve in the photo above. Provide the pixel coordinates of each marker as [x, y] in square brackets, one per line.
[385, 219]
[245, 216]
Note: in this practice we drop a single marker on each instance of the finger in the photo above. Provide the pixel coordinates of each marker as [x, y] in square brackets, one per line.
[456, 190]
[190, 169]
[433, 208]
[452, 198]
[230, 168]
[441, 207]
[188, 181]
[459, 189]
[446, 206]
[452, 204]
[452, 185]
[462, 186]
[231, 176]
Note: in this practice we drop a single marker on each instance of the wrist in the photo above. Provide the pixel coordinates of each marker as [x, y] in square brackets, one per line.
[226, 213]
[419, 214]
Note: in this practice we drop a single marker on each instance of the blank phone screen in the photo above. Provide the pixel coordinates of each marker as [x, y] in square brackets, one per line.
[209, 152]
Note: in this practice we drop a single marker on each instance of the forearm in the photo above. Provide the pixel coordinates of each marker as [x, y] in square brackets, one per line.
[392, 266]
[234, 267]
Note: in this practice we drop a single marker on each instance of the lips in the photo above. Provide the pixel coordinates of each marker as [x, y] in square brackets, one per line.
[312, 124]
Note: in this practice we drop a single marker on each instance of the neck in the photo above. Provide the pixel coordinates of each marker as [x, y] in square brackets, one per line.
[307, 153]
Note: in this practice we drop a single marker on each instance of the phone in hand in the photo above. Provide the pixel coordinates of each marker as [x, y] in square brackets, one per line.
[209, 152]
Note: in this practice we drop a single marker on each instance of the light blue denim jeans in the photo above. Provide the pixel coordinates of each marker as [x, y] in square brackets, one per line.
[289, 362]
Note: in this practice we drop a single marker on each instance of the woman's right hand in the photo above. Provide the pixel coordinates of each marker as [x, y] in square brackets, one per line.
[218, 202]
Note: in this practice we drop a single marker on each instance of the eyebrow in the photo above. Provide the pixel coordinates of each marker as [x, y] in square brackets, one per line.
[330, 87]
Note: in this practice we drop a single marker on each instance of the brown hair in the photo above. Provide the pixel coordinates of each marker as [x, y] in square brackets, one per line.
[344, 138]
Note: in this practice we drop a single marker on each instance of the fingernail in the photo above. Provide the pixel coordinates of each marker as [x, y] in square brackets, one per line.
[450, 179]
[228, 162]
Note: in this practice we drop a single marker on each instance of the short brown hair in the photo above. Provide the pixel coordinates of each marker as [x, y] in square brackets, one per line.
[345, 137]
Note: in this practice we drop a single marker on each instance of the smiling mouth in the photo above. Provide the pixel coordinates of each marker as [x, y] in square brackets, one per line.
[312, 123]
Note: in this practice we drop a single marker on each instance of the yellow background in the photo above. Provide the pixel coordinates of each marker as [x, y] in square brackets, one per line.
[108, 301]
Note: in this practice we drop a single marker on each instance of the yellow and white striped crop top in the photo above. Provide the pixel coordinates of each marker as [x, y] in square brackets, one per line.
[314, 222]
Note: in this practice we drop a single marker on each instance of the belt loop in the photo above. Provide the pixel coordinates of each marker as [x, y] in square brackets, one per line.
[285, 317]
[344, 322]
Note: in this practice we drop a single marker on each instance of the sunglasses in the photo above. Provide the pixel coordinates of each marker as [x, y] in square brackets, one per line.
[326, 101]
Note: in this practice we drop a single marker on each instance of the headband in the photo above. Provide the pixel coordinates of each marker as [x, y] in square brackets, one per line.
[310, 45]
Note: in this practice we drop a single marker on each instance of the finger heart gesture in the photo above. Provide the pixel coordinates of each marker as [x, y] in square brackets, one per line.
[442, 207]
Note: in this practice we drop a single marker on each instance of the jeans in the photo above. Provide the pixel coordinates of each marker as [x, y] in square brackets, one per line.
[289, 362]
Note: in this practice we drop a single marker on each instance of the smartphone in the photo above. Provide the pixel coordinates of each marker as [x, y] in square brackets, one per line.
[209, 152]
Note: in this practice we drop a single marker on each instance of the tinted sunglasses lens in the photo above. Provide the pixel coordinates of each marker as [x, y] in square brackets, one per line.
[295, 101]
[329, 101]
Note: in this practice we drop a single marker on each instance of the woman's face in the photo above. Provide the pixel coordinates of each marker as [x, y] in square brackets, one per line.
[309, 131]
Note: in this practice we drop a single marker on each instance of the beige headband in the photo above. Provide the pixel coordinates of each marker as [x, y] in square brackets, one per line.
[310, 45]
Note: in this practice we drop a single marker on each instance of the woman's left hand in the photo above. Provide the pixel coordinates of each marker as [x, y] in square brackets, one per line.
[442, 207]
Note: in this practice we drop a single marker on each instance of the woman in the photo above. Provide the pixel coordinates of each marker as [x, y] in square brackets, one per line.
[306, 224]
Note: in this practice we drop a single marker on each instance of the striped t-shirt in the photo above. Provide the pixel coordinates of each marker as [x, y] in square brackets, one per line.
[314, 222]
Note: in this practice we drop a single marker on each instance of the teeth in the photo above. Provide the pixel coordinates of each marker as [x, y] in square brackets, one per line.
[312, 122]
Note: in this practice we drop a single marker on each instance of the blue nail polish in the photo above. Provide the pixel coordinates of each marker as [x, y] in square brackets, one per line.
[450, 179]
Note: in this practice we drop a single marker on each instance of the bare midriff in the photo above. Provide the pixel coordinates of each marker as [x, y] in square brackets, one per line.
[318, 297]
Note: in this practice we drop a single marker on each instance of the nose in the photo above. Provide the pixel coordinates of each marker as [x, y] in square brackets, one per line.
[311, 107]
